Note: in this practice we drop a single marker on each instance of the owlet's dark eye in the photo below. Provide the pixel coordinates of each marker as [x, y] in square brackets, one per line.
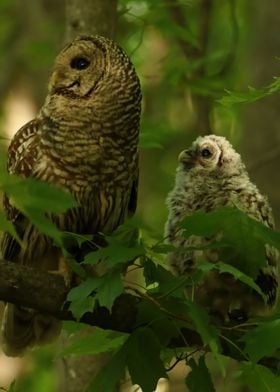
[79, 63]
[206, 153]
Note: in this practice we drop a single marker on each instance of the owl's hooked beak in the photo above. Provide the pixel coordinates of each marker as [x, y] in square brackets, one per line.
[187, 158]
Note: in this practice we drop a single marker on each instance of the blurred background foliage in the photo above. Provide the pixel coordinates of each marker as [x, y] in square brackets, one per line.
[188, 54]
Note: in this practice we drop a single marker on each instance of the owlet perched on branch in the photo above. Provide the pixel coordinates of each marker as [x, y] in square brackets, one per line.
[211, 175]
[84, 140]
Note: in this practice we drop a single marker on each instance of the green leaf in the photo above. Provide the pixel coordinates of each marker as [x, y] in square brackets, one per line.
[141, 354]
[150, 314]
[128, 233]
[259, 378]
[150, 271]
[144, 362]
[199, 379]
[106, 289]
[109, 288]
[80, 239]
[263, 340]
[113, 254]
[34, 199]
[72, 327]
[163, 248]
[237, 98]
[84, 289]
[80, 300]
[7, 226]
[99, 341]
[44, 225]
[245, 237]
[12, 387]
[252, 95]
[222, 267]
[110, 375]
[168, 283]
[82, 306]
[208, 333]
[32, 193]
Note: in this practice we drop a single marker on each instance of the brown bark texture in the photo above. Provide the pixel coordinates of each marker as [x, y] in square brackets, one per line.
[90, 17]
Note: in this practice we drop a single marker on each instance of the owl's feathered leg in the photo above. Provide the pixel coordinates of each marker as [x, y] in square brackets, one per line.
[24, 327]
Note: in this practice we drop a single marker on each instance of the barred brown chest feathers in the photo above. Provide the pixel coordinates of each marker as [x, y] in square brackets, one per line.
[83, 140]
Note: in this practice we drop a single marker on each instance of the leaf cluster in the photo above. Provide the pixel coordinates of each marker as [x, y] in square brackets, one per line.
[166, 308]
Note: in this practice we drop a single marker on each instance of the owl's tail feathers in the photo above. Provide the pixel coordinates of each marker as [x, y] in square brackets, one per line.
[23, 328]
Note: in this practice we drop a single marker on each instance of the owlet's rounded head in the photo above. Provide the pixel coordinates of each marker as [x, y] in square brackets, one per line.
[85, 63]
[211, 154]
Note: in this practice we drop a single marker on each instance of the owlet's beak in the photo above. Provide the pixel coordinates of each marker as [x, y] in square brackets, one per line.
[187, 158]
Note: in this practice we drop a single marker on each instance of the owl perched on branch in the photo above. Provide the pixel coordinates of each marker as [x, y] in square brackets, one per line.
[84, 140]
[211, 175]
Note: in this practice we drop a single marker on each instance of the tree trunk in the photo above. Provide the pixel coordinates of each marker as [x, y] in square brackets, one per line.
[261, 135]
[90, 17]
[85, 17]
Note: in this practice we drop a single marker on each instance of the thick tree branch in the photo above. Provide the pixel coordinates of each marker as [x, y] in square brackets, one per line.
[32, 288]
[46, 292]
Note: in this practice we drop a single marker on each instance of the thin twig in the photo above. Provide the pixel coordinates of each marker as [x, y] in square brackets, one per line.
[183, 358]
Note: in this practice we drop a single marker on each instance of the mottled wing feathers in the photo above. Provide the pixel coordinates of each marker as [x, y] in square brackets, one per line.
[22, 155]
[23, 149]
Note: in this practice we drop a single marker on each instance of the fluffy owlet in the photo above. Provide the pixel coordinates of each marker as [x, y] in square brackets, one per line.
[84, 140]
[211, 175]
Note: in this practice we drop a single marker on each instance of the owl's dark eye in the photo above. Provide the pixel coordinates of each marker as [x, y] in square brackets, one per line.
[206, 153]
[79, 63]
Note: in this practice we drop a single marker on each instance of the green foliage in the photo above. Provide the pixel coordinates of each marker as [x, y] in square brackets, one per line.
[208, 333]
[113, 254]
[108, 379]
[140, 354]
[165, 310]
[262, 341]
[143, 359]
[253, 94]
[7, 226]
[199, 379]
[100, 341]
[259, 378]
[243, 238]
[34, 198]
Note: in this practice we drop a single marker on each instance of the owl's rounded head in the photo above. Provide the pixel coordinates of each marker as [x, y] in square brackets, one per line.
[83, 65]
[212, 154]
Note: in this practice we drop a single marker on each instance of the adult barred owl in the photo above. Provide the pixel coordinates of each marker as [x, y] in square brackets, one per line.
[84, 140]
[211, 175]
